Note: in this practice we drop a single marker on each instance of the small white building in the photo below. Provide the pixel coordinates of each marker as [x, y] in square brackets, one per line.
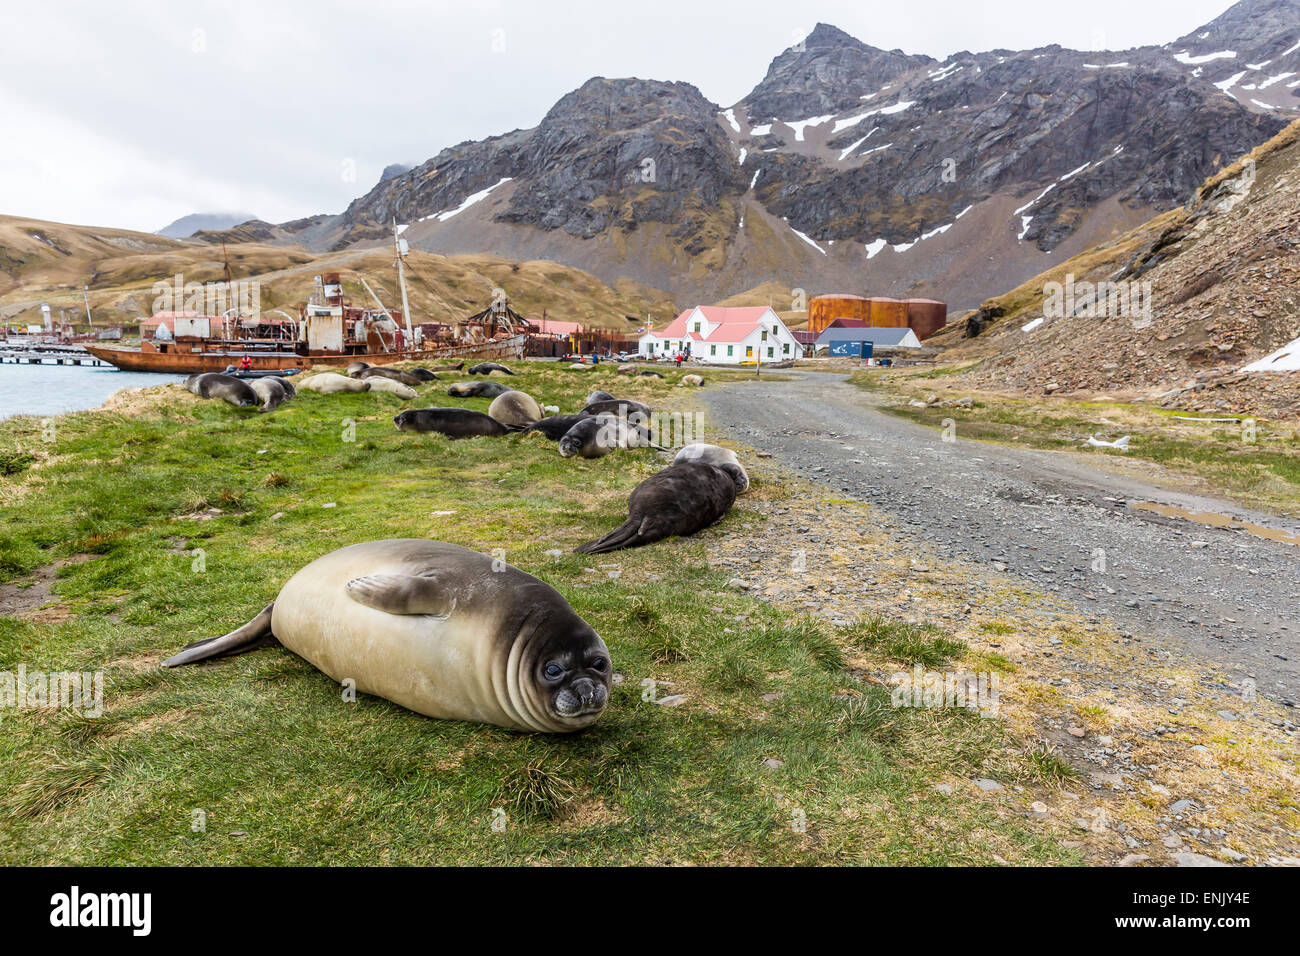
[724, 336]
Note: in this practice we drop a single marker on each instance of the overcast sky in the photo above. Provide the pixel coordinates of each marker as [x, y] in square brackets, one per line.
[133, 113]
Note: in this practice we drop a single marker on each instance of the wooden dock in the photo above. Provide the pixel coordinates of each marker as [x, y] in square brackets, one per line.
[47, 355]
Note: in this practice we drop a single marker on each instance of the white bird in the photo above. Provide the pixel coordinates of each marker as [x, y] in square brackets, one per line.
[1120, 443]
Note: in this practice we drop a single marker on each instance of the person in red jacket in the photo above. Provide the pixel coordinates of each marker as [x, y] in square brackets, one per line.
[246, 363]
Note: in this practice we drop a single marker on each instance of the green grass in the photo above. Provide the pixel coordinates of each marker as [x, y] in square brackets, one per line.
[280, 769]
[905, 642]
[1265, 471]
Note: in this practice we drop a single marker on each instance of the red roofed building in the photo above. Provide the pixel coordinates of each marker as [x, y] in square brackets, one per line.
[724, 336]
[555, 327]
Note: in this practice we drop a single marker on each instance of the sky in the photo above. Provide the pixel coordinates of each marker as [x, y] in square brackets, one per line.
[136, 112]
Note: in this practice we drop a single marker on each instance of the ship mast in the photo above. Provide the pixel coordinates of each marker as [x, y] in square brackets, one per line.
[400, 245]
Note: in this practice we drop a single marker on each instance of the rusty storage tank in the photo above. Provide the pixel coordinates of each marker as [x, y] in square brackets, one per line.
[888, 313]
[825, 309]
[926, 316]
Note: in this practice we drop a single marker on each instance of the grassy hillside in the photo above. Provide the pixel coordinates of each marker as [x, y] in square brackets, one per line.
[50, 262]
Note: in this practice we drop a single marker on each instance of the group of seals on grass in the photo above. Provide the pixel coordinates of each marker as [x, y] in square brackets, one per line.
[268, 391]
[454, 634]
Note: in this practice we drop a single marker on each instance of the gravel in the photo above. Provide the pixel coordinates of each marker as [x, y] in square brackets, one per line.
[1223, 596]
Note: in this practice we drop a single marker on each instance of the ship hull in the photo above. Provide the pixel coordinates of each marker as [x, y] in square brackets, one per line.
[193, 362]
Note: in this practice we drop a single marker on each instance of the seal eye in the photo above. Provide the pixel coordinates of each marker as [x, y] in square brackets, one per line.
[553, 671]
[598, 664]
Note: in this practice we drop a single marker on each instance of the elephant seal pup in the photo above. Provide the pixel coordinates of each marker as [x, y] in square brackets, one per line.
[452, 422]
[695, 380]
[397, 375]
[515, 408]
[680, 500]
[423, 374]
[647, 372]
[236, 391]
[598, 396]
[635, 412]
[487, 368]
[356, 368]
[724, 458]
[327, 383]
[477, 389]
[380, 383]
[555, 427]
[271, 391]
[439, 629]
[595, 437]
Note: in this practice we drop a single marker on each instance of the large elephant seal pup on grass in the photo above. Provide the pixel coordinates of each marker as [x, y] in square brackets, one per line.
[680, 500]
[396, 374]
[327, 383]
[452, 422]
[225, 387]
[515, 408]
[596, 437]
[272, 392]
[439, 629]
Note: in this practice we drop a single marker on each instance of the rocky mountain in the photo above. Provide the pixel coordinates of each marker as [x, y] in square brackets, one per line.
[1219, 283]
[853, 168]
[187, 226]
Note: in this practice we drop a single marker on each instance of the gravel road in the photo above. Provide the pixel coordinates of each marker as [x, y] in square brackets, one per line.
[1227, 597]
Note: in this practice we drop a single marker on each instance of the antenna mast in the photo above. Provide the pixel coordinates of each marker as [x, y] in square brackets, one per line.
[400, 245]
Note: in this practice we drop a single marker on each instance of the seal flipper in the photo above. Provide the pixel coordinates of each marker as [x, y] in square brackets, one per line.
[632, 533]
[403, 593]
[256, 633]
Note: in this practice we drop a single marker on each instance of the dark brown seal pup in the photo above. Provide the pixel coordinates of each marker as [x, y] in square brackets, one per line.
[477, 389]
[487, 368]
[452, 422]
[635, 412]
[397, 375]
[225, 387]
[680, 500]
[556, 426]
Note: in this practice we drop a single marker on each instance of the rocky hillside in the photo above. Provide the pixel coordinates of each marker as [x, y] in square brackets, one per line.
[1223, 278]
[854, 168]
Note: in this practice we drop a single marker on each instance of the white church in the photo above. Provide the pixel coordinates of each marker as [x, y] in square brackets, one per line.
[723, 336]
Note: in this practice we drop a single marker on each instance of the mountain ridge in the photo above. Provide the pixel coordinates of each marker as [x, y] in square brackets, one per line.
[851, 167]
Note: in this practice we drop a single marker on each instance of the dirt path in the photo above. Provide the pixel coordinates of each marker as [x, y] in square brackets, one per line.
[1222, 597]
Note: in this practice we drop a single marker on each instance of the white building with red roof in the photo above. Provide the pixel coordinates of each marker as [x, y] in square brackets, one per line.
[724, 336]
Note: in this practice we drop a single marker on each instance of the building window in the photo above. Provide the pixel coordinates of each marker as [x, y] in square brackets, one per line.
[713, 350]
[770, 350]
[765, 335]
[698, 326]
[785, 349]
[731, 350]
[749, 351]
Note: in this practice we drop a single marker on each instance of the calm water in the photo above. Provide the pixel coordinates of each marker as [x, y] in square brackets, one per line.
[52, 389]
